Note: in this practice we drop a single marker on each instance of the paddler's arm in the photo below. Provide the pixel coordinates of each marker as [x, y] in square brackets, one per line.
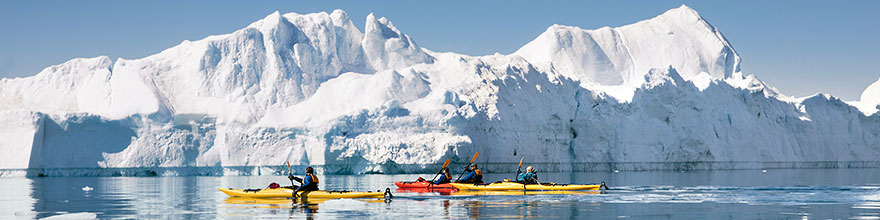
[469, 176]
[291, 177]
[305, 182]
[441, 179]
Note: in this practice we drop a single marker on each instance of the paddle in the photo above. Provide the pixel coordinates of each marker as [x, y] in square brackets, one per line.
[539, 184]
[518, 171]
[438, 172]
[289, 174]
[467, 166]
[290, 177]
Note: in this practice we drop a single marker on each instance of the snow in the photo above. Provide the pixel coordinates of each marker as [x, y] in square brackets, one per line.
[367, 91]
[387, 48]
[312, 89]
[621, 56]
[20, 131]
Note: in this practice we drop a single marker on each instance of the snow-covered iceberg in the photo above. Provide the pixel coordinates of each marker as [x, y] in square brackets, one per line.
[664, 93]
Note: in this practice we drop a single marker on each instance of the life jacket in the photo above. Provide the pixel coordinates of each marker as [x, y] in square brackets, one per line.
[478, 178]
[314, 178]
[530, 178]
[313, 183]
[447, 179]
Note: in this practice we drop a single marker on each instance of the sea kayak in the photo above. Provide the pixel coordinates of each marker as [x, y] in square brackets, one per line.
[521, 192]
[258, 201]
[287, 192]
[275, 202]
[502, 186]
[441, 191]
[422, 184]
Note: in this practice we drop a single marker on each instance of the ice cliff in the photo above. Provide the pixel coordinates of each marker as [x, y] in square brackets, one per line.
[664, 93]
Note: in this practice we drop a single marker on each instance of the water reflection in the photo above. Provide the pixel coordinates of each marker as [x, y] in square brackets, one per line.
[56, 196]
[833, 193]
[297, 207]
[16, 200]
[451, 208]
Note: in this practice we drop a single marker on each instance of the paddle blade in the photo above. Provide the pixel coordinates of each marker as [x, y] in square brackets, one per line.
[475, 157]
[518, 170]
[446, 163]
[288, 168]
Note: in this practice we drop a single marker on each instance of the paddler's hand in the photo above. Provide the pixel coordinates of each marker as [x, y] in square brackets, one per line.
[290, 176]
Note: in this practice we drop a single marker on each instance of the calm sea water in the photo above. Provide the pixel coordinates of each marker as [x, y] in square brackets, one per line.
[737, 194]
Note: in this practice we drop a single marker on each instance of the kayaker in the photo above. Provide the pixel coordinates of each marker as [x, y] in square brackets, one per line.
[530, 177]
[475, 176]
[309, 183]
[445, 177]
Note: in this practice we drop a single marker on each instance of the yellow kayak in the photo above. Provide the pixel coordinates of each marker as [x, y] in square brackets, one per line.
[287, 192]
[504, 186]
[285, 201]
[272, 202]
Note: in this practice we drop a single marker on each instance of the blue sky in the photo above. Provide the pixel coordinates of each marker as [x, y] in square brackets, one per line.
[801, 47]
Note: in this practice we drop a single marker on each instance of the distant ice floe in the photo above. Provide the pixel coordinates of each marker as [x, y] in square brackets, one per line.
[73, 216]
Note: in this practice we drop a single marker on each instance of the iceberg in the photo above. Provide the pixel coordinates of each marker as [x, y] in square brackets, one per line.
[666, 93]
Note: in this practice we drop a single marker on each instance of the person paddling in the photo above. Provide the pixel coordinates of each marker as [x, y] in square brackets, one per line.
[475, 176]
[309, 182]
[445, 177]
[530, 177]
[420, 179]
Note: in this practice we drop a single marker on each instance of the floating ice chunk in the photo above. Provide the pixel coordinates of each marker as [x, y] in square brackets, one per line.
[87, 188]
[79, 215]
[31, 214]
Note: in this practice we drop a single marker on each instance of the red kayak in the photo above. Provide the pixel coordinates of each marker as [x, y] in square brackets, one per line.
[423, 184]
[441, 191]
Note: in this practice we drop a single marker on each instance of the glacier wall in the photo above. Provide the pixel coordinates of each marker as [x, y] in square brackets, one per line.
[662, 94]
